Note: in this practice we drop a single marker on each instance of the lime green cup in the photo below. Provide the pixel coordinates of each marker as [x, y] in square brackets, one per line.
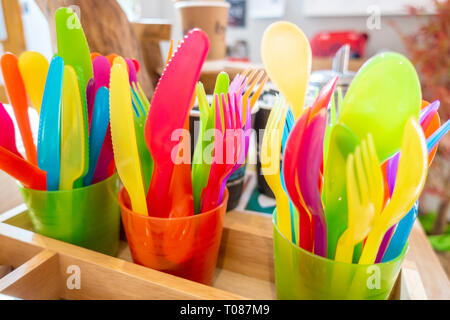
[301, 275]
[88, 217]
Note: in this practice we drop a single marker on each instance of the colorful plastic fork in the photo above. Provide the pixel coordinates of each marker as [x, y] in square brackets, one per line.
[227, 147]
[8, 133]
[34, 68]
[49, 145]
[17, 96]
[412, 172]
[73, 129]
[181, 73]
[270, 165]
[365, 191]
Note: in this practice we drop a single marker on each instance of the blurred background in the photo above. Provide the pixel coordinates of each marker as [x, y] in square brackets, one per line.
[343, 35]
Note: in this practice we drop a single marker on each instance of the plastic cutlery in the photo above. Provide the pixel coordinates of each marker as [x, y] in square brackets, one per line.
[124, 136]
[73, 46]
[34, 68]
[181, 73]
[17, 96]
[245, 143]
[404, 227]
[309, 165]
[74, 49]
[411, 178]
[426, 117]
[343, 142]
[291, 154]
[99, 128]
[102, 74]
[49, 148]
[286, 54]
[227, 146]
[384, 94]
[132, 71]
[270, 165]
[8, 134]
[73, 165]
[140, 116]
[308, 175]
[365, 191]
[28, 174]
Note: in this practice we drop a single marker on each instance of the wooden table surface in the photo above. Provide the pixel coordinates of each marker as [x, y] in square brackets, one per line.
[432, 274]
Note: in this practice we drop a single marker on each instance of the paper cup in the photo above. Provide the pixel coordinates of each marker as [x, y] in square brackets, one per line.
[211, 17]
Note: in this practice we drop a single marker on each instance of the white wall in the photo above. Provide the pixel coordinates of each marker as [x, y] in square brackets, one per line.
[385, 38]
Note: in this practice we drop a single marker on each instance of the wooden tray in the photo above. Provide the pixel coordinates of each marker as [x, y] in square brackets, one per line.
[42, 267]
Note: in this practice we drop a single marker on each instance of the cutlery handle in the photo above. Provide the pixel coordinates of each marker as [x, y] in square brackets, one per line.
[159, 189]
[284, 215]
[25, 132]
[372, 245]
[344, 249]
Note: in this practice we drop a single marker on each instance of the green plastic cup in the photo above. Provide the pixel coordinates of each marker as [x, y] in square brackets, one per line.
[301, 275]
[88, 217]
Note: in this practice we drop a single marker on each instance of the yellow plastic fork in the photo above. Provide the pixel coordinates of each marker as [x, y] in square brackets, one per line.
[254, 79]
[365, 198]
[270, 163]
[411, 177]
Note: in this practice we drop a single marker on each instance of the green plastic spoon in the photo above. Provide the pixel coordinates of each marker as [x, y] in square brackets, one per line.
[385, 93]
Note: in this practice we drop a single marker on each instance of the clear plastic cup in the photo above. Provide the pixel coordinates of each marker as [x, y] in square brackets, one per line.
[88, 217]
[186, 247]
[301, 275]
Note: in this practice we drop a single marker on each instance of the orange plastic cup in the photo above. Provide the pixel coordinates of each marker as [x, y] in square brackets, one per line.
[186, 247]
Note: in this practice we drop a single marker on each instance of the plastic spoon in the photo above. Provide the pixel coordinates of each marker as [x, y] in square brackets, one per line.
[49, 148]
[99, 128]
[8, 134]
[181, 73]
[28, 174]
[286, 54]
[17, 96]
[73, 165]
[124, 137]
[411, 178]
[385, 93]
[34, 68]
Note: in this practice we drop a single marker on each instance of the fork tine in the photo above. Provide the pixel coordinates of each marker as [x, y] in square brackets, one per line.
[247, 71]
[169, 55]
[218, 116]
[226, 113]
[377, 175]
[362, 179]
[259, 91]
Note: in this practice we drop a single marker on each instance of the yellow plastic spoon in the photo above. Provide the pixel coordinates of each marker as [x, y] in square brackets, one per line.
[411, 176]
[73, 140]
[34, 68]
[126, 153]
[286, 54]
